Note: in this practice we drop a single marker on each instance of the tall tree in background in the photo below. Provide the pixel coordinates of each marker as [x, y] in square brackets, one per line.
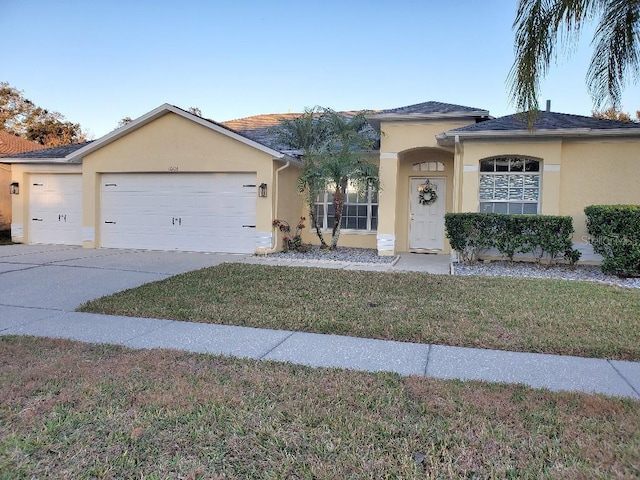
[613, 114]
[21, 117]
[333, 147]
[539, 24]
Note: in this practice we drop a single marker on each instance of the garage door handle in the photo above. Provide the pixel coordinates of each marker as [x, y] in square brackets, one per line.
[248, 226]
[110, 222]
[36, 219]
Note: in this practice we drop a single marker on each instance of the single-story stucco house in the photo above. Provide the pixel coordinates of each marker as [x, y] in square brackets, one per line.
[171, 180]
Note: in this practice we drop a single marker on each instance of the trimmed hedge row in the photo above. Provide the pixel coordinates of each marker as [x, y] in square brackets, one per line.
[544, 236]
[615, 232]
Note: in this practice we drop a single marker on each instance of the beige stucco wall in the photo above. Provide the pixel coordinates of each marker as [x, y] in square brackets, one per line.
[597, 173]
[549, 151]
[289, 201]
[20, 203]
[175, 145]
[5, 197]
[402, 135]
[576, 173]
[403, 143]
[405, 174]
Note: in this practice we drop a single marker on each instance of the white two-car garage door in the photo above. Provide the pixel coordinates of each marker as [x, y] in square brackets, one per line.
[55, 209]
[200, 212]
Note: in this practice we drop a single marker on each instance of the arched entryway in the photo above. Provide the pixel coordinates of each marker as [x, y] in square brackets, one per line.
[426, 178]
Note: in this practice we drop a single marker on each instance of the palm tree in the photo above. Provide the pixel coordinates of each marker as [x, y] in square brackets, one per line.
[616, 42]
[305, 134]
[332, 145]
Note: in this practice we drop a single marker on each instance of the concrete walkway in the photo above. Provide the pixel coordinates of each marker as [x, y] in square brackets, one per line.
[40, 286]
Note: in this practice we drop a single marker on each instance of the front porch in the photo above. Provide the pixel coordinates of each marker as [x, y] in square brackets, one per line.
[407, 223]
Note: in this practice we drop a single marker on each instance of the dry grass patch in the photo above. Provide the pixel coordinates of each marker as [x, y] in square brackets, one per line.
[71, 410]
[549, 316]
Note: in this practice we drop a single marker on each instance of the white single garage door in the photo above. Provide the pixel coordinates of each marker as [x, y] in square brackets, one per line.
[55, 209]
[199, 212]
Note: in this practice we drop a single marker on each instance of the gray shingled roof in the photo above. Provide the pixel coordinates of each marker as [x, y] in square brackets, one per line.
[546, 121]
[430, 108]
[48, 153]
[262, 128]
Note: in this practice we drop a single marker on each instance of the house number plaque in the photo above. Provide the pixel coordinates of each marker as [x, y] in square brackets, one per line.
[173, 169]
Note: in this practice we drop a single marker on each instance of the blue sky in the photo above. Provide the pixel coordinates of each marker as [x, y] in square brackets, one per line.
[97, 61]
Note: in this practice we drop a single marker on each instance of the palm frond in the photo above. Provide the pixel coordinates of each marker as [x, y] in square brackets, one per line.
[539, 24]
[615, 56]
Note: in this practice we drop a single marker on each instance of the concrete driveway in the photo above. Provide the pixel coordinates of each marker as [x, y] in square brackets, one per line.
[41, 285]
[58, 277]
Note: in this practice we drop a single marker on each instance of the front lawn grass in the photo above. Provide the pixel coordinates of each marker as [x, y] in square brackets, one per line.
[73, 410]
[550, 316]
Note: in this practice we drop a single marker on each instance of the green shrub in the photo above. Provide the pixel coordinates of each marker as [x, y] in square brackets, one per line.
[469, 233]
[551, 238]
[544, 236]
[510, 234]
[615, 232]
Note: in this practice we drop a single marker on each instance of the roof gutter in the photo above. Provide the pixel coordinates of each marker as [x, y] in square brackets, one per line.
[447, 138]
[10, 160]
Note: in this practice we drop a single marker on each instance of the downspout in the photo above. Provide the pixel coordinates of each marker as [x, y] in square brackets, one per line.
[457, 167]
[274, 241]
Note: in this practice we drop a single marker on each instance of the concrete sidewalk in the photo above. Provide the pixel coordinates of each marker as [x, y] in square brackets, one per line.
[40, 286]
[554, 372]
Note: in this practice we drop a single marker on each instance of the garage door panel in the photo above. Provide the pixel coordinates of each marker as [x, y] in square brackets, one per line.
[55, 209]
[196, 212]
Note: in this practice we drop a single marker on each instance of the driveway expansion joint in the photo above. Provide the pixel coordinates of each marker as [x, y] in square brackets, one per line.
[277, 345]
[626, 380]
[157, 329]
[426, 363]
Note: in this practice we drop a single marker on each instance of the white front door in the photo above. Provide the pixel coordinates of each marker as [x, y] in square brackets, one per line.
[55, 209]
[426, 222]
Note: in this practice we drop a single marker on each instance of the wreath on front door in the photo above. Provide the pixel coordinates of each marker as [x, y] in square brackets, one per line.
[427, 193]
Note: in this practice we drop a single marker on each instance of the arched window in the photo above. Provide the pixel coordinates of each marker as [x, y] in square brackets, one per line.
[510, 185]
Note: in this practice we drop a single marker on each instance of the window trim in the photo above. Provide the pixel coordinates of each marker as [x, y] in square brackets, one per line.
[358, 231]
[537, 173]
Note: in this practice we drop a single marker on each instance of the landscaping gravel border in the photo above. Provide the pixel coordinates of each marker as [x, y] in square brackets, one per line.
[588, 273]
[342, 255]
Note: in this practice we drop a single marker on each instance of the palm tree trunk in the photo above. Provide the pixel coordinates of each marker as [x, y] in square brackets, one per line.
[338, 206]
[316, 226]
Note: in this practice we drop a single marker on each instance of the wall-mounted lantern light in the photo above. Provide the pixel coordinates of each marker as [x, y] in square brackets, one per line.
[14, 188]
[262, 190]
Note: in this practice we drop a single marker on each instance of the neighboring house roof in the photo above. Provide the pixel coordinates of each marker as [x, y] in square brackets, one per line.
[53, 154]
[11, 144]
[545, 124]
